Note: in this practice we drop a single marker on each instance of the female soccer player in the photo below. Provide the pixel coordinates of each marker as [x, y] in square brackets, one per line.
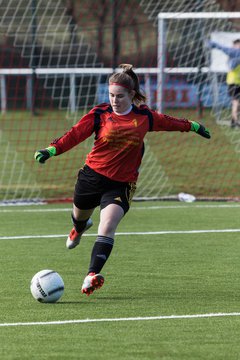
[109, 175]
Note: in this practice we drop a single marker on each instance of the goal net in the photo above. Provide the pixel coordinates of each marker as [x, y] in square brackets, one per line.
[55, 59]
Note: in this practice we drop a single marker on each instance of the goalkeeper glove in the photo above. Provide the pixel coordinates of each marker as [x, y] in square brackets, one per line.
[42, 155]
[200, 129]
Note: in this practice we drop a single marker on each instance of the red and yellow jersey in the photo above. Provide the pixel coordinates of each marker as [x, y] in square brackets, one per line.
[118, 147]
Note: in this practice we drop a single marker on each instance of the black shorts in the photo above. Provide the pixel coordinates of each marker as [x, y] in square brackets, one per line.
[234, 91]
[93, 189]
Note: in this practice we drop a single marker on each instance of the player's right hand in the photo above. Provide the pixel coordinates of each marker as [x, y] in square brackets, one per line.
[42, 155]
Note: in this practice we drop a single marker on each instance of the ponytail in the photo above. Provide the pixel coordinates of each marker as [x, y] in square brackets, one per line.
[128, 79]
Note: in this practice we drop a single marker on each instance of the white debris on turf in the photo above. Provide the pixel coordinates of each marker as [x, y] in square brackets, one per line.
[186, 197]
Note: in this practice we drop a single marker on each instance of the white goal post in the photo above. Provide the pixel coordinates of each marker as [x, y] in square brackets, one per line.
[163, 18]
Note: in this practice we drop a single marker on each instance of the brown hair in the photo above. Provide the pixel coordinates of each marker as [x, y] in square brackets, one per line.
[237, 41]
[128, 79]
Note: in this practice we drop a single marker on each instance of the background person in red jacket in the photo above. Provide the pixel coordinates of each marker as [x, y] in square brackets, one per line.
[108, 178]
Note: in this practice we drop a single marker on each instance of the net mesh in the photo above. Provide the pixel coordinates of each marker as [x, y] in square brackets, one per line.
[75, 34]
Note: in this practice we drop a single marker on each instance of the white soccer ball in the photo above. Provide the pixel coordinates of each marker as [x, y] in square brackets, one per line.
[47, 286]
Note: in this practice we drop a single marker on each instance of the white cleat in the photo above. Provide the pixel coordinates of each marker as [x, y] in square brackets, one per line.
[92, 282]
[74, 237]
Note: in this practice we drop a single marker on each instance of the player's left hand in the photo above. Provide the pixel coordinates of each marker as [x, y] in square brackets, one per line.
[200, 129]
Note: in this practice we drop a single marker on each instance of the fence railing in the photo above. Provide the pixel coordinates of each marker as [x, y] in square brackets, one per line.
[73, 73]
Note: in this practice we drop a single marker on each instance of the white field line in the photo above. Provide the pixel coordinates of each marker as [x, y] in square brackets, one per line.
[145, 318]
[162, 207]
[126, 233]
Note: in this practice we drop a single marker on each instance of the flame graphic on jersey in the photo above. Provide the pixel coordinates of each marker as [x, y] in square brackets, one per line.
[135, 122]
[121, 140]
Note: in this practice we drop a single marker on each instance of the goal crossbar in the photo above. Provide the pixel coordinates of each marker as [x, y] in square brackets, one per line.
[199, 15]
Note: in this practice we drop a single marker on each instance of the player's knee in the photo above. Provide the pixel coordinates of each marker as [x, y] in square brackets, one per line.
[107, 228]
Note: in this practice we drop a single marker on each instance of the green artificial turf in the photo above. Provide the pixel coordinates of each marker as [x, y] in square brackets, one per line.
[149, 274]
